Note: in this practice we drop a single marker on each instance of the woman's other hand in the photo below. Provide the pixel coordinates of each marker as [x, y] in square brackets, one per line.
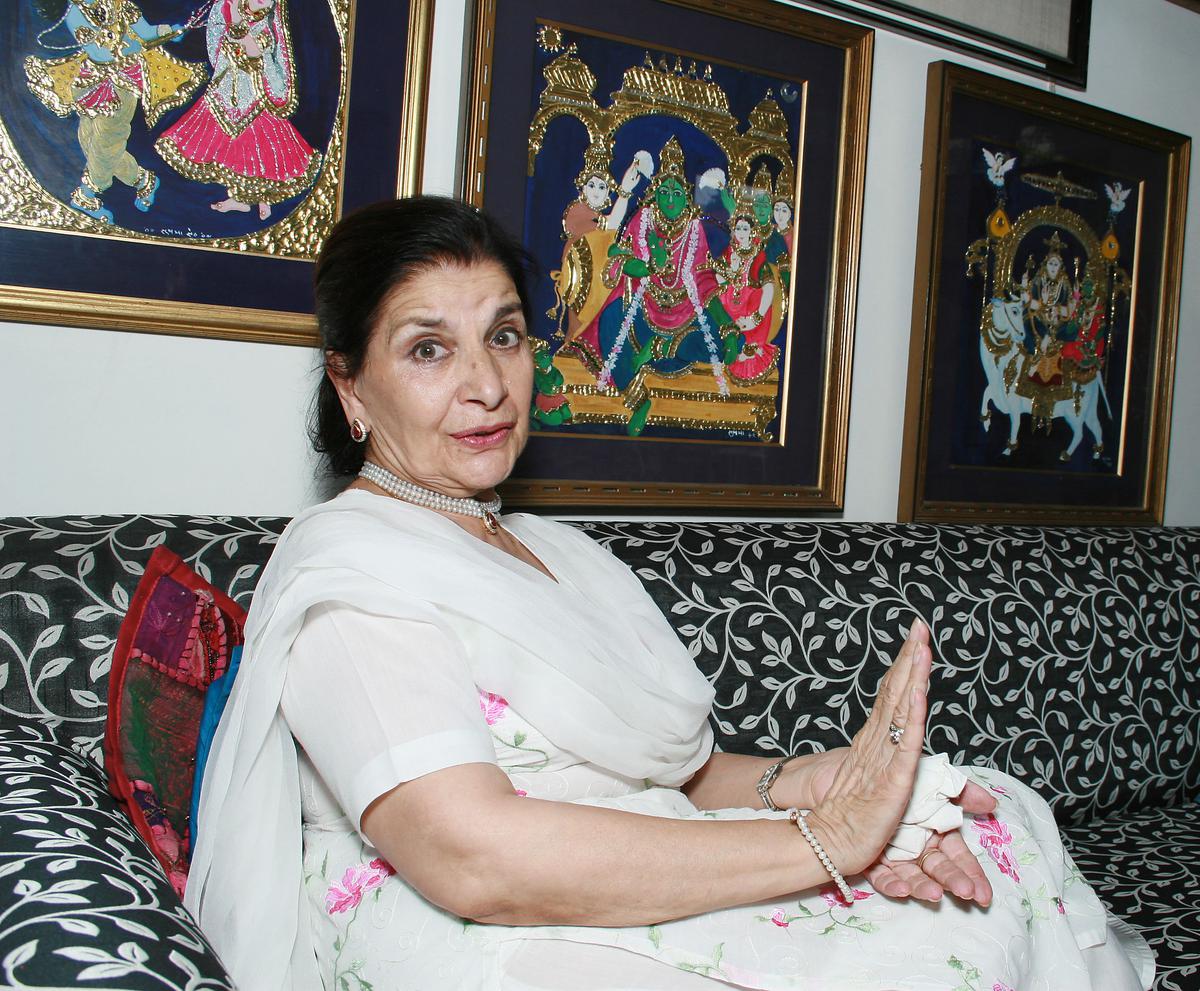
[946, 864]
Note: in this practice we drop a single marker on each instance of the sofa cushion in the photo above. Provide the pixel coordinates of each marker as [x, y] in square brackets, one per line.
[1146, 868]
[175, 641]
[84, 902]
[67, 581]
[1068, 657]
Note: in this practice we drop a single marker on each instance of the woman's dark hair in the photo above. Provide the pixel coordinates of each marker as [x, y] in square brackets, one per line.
[367, 255]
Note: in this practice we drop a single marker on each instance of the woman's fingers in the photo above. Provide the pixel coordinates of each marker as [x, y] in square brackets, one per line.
[947, 865]
[903, 878]
[899, 678]
[974, 798]
[954, 860]
[886, 881]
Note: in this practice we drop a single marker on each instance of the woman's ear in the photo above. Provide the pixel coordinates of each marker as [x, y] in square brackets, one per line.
[344, 383]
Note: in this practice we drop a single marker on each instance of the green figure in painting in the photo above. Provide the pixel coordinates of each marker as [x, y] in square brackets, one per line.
[664, 311]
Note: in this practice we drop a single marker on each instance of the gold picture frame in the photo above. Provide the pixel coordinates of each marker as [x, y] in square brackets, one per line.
[685, 79]
[69, 268]
[1045, 308]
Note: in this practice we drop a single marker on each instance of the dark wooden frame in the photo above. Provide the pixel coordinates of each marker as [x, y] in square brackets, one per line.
[818, 483]
[933, 487]
[70, 278]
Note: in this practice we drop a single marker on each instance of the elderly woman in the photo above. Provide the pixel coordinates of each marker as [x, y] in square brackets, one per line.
[466, 750]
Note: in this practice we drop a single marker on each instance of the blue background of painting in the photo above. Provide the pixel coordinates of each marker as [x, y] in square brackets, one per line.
[49, 147]
[1043, 145]
[661, 27]
[552, 186]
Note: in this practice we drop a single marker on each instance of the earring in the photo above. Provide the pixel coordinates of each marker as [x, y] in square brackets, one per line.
[358, 431]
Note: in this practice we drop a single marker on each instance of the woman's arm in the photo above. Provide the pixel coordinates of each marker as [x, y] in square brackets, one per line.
[501, 858]
[729, 781]
[466, 841]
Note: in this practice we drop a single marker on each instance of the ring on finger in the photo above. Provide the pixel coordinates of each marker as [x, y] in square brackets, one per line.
[921, 859]
[894, 733]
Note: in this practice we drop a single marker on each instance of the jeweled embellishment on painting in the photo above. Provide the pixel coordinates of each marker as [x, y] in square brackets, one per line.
[665, 226]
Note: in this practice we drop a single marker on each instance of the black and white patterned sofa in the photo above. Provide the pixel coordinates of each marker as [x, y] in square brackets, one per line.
[1069, 657]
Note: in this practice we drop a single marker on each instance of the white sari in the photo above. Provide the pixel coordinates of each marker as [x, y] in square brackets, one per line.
[646, 704]
[587, 671]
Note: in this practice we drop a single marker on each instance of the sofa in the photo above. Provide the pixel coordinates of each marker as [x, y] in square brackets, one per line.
[1068, 656]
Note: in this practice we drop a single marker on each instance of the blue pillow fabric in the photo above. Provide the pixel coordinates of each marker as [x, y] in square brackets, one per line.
[215, 698]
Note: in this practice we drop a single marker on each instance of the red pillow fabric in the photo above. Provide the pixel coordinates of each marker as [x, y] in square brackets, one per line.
[175, 640]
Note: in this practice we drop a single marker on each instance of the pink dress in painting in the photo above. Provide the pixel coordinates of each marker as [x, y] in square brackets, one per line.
[742, 296]
[237, 134]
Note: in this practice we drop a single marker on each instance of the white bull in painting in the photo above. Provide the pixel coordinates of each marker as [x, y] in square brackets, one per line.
[1008, 332]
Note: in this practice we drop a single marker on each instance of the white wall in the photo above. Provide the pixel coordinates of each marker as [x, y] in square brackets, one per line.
[111, 422]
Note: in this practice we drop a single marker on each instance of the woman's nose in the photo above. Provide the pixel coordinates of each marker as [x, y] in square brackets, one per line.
[482, 379]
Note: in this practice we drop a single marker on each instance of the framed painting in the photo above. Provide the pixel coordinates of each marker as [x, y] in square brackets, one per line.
[173, 166]
[688, 179]
[1046, 38]
[1045, 308]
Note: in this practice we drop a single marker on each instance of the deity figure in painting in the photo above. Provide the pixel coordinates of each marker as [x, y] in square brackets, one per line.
[779, 241]
[237, 134]
[1050, 300]
[663, 311]
[1086, 348]
[115, 63]
[748, 292]
[590, 225]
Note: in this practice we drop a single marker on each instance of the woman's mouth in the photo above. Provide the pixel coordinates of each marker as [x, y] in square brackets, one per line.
[486, 437]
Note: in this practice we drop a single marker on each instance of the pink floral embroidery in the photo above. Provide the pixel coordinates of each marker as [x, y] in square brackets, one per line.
[356, 882]
[995, 838]
[998, 790]
[522, 792]
[1001, 987]
[780, 919]
[834, 898]
[1061, 906]
[492, 706]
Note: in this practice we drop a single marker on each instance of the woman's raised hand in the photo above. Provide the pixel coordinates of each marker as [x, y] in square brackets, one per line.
[871, 789]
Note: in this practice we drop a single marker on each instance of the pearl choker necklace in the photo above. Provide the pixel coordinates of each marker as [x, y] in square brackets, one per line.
[419, 496]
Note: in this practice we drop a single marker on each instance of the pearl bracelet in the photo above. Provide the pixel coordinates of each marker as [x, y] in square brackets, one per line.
[806, 831]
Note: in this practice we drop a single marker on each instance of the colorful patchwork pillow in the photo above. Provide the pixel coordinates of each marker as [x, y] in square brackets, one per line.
[175, 641]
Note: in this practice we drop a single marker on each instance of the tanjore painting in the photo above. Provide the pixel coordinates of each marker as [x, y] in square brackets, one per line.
[1044, 349]
[671, 278]
[135, 131]
[664, 203]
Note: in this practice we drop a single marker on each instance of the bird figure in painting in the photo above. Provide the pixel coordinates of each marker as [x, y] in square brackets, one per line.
[999, 165]
[1117, 195]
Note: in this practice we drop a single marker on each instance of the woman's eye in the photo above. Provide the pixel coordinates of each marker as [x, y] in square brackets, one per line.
[427, 351]
[507, 337]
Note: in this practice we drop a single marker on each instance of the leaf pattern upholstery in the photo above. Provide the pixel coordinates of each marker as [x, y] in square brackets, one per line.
[84, 902]
[1069, 657]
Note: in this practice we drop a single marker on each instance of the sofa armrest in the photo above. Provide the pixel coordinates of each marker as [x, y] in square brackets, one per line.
[83, 903]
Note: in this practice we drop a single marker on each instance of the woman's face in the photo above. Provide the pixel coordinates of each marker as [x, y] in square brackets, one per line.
[741, 233]
[783, 214]
[595, 193]
[447, 381]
